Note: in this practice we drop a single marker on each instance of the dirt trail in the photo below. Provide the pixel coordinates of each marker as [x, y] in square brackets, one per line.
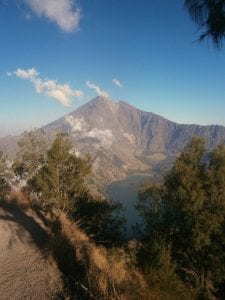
[25, 273]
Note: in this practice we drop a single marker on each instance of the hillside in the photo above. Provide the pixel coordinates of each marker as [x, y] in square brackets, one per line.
[122, 139]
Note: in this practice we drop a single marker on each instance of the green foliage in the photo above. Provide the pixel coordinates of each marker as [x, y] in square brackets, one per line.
[4, 187]
[31, 154]
[159, 269]
[61, 183]
[61, 180]
[4, 176]
[100, 218]
[188, 212]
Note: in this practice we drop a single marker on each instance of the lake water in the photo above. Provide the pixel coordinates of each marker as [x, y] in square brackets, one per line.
[125, 192]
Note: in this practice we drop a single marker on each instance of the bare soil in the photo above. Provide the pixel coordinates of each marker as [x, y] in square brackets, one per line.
[25, 270]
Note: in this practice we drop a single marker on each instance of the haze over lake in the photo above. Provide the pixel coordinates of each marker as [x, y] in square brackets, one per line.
[126, 192]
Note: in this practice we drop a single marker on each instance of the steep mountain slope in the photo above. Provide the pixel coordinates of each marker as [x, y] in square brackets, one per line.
[122, 139]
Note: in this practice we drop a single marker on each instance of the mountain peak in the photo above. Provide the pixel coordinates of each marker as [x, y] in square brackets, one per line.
[103, 98]
[122, 139]
[103, 101]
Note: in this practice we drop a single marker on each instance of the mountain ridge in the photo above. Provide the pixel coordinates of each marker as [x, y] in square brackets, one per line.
[122, 139]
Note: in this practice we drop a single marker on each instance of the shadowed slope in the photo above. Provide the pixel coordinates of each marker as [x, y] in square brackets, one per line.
[25, 272]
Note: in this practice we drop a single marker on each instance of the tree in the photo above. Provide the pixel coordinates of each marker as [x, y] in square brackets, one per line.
[210, 16]
[4, 176]
[31, 154]
[187, 212]
[61, 179]
[61, 183]
[100, 218]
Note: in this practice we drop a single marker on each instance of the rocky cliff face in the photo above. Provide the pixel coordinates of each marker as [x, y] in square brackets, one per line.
[122, 139]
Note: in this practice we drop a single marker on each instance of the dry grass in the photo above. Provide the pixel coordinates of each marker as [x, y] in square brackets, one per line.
[89, 271]
[108, 274]
[18, 198]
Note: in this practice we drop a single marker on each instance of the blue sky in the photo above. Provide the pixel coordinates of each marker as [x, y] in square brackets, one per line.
[56, 56]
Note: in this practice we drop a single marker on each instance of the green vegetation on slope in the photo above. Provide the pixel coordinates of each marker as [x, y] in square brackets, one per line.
[186, 214]
[180, 253]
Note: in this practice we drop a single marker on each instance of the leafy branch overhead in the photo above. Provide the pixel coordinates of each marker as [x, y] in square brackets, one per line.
[209, 15]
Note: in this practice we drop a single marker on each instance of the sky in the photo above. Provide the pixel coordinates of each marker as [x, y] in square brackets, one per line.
[56, 55]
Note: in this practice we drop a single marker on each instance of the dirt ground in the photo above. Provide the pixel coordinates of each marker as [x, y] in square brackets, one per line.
[25, 270]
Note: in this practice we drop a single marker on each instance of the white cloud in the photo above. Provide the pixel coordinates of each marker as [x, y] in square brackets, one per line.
[26, 74]
[105, 136]
[97, 89]
[117, 82]
[61, 92]
[80, 128]
[77, 125]
[63, 12]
